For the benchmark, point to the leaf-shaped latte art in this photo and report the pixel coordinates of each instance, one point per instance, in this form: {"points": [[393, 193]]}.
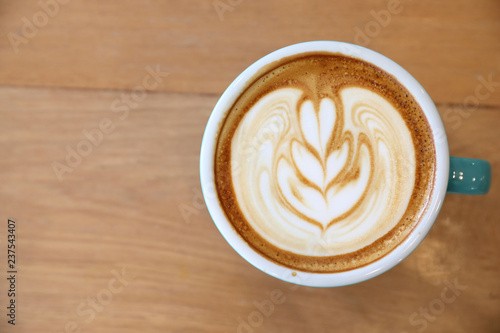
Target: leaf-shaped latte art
{"points": [[330, 171], [315, 166]]}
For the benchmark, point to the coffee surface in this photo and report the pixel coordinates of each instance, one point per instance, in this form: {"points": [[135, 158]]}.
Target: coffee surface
{"points": [[324, 163]]}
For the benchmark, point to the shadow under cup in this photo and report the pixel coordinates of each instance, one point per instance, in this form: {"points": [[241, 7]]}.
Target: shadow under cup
{"points": [[442, 176]]}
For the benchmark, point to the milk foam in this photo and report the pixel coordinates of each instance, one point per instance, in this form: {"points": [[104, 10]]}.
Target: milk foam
{"points": [[322, 178]]}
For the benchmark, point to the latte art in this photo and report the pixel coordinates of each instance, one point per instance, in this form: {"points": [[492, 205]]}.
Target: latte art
{"points": [[329, 176], [324, 163]]}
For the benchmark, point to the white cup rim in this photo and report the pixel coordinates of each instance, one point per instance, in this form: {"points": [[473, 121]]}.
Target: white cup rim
{"points": [[325, 279]]}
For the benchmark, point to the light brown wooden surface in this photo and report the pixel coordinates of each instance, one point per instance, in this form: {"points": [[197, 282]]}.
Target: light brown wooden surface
{"points": [[134, 203]]}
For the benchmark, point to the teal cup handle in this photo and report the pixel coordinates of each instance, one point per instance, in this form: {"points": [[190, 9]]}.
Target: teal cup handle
{"points": [[469, 176]]}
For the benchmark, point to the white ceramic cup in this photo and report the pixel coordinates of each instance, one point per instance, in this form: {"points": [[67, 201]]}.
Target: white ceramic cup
{"points": [[325, 279]]}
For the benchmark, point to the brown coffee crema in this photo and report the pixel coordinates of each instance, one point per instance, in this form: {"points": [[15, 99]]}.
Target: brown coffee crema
{"points": [[324, 163]]}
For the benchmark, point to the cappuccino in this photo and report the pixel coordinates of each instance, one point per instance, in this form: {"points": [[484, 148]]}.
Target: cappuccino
{"points": [[324, 163]]}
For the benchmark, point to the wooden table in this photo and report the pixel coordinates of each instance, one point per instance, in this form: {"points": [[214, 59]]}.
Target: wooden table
{"points": [[119, 239]]}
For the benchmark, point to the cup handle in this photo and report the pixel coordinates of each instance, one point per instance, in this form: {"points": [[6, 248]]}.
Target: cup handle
{"points": [[469, 176]]}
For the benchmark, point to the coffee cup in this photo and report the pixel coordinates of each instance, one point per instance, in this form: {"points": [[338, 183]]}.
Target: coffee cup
{"points": [[326, 164]]}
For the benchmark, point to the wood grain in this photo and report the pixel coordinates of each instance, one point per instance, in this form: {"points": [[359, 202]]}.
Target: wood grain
{"points": [[133, 208], [100, 44]]}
